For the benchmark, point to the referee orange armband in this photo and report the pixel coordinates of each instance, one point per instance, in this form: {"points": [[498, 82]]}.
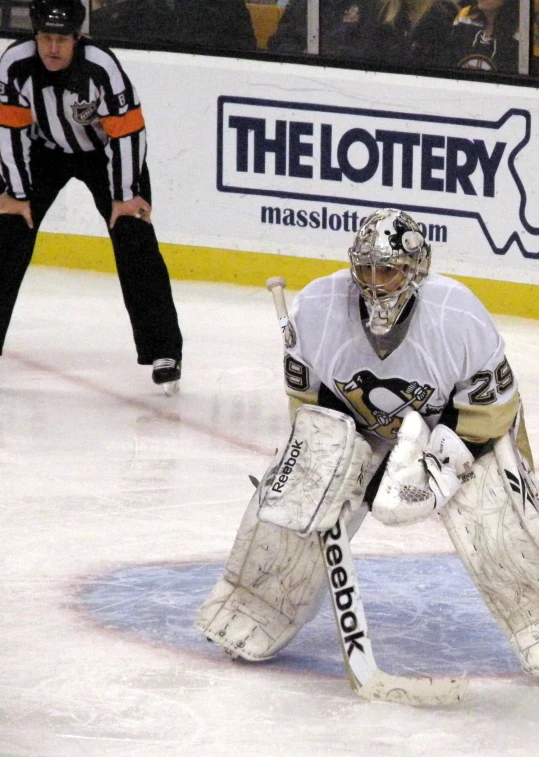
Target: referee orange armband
{"points": [[121, 126], [15, 117]]}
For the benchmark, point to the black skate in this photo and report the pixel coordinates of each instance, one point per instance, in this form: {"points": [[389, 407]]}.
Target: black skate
{"points": [[166, 373]]}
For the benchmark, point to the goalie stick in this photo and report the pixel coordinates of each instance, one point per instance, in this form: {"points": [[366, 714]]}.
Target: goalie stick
{"points": [[365, 676]]}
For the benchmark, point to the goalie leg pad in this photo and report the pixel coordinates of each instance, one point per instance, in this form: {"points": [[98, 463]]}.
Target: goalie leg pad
{"points": [[273, 584], [520, 483], [499, 554], [324, 464], [272, 578]]}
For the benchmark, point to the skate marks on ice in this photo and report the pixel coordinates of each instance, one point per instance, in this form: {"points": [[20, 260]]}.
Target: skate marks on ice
{"points": [[425, 616]]}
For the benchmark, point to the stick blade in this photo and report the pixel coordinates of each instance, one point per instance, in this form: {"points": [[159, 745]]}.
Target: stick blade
{"points": [[275, 281], [419, 692]]}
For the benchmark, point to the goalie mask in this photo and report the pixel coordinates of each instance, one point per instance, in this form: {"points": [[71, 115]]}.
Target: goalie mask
{"points": [[390, 259]]}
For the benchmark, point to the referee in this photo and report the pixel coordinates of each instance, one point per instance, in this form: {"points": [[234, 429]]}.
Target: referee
{"points": [[68, 110]]}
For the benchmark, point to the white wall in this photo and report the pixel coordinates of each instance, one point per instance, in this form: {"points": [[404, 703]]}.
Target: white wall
{"points": [[467, 170]]}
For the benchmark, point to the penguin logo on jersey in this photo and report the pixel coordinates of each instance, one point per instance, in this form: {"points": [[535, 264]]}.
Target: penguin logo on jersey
{"points": [[381, 402], [84, 112]]}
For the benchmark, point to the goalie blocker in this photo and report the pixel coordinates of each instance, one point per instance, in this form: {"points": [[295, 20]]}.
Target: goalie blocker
{"points": [[322, 467]]}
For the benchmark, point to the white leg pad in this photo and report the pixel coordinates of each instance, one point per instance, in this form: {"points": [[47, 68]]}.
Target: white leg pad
{"points": [[273, 584], [500, 556], [520, 483]]}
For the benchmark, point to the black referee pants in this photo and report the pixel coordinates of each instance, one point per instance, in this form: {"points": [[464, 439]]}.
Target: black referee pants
{"points": [[141, 269]]}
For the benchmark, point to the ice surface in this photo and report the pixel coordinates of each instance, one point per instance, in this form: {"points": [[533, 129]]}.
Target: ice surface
{"points": [[119, 507]]}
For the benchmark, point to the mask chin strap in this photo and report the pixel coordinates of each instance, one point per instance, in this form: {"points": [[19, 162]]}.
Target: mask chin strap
{"points": [[382, 311], [379, 312], [387, 340]]}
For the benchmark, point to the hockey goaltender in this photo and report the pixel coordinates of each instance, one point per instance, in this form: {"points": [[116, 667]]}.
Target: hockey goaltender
{"points": [[403, 405]]}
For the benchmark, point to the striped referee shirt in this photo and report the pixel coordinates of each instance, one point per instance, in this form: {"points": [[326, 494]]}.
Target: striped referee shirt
{"points": [[89, 106]]}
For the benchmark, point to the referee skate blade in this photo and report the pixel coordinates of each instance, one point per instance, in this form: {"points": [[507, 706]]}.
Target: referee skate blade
{"points": [[171, 388]]}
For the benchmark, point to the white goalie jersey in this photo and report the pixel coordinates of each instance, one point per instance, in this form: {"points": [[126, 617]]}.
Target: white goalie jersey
{"points": [[450, 367], [417, 362]]}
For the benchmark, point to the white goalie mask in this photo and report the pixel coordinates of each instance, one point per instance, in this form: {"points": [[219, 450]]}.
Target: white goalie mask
{"points": [[390, 258]]}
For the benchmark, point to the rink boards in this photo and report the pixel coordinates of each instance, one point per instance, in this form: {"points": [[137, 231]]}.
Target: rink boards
{"points": [[260, 169]]}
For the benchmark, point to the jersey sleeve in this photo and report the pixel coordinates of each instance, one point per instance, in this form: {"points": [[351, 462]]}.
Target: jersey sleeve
{"points": [[485, 399], [487, 403], [15, 123], [121, 117], [302, 385]]}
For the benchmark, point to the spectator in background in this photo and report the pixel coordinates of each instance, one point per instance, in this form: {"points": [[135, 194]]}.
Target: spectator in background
{"points": [[485, 37], [391, 32], [402, 33], [291, 35], [534, 62], [209, 24]]}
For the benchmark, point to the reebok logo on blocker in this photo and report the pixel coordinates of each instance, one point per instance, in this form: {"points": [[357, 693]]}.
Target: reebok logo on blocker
{"points": [[281, 477]]}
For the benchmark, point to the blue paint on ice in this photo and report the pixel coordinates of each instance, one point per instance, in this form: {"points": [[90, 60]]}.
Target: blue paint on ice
{"points": [[424, 614]]}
